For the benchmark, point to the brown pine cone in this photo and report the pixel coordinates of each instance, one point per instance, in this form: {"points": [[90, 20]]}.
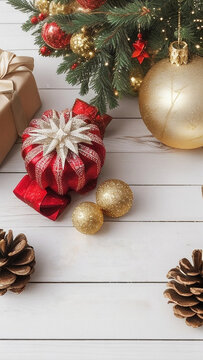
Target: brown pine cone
{"points": [[17, 260], [186, 289]]}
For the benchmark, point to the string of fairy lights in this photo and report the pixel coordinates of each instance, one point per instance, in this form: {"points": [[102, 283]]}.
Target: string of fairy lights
{"points": [[83, 43]]}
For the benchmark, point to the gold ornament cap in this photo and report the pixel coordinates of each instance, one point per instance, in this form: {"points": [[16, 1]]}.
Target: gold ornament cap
{"points": [[178, 53]]}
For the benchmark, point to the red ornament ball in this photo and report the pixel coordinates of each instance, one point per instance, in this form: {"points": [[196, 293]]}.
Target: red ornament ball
{"points": [[45, 51], [42, 16], [54, 36], [34, 20], [91, 4]]}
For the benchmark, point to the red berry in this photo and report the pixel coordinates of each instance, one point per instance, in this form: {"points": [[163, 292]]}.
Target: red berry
{"points": [[45, 51], [73, 67], [34, 20], [42, 16], [139, 35]]}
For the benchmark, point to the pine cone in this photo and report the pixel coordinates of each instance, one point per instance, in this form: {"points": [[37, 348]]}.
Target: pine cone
{"points": [[186, 290], [17, 260]]}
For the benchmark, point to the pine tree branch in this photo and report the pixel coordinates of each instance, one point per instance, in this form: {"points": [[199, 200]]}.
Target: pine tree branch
{"points": [[114, 27], [25, 6]]}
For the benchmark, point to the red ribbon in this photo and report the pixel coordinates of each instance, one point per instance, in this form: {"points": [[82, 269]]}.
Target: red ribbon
{"points": [[140, 53], [47, 201], [44, 201], [81, 107]]}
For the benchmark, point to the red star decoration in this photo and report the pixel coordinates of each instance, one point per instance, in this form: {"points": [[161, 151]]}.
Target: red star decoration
{"points": [[140, 45]]}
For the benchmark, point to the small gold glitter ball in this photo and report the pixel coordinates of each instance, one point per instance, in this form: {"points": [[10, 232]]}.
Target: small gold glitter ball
{"points": [[114, 197], [136, 81], [87, 218], [83, 45]]}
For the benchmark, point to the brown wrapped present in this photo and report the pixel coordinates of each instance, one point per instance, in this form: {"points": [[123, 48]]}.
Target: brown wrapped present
{"points": [[19, 98]]}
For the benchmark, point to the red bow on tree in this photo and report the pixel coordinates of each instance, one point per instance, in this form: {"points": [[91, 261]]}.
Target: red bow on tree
{"points": [[140, 45]]}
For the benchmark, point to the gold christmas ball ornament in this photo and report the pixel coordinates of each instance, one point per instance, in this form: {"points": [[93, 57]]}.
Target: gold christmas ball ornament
{"points": [[82, 44], [114, 197], [42, 6], [87, 218], [136, 81], [58, 8], [170, 99]]}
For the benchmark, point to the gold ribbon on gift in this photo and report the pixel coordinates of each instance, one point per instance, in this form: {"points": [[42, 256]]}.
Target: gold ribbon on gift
{"points": [[10, 64]]}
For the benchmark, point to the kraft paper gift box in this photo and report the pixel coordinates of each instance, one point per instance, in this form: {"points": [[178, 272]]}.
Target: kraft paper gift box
{"points": [[19, 98]]}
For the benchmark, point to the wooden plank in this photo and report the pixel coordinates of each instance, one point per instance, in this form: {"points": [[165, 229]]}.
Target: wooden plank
{"points": [[90, 311], [113, 310], [144, 168], [131, 135], [102, 350], [152, 203], [9, 15], [60, 99], [44, 66], [21, 40], [111, 255]]}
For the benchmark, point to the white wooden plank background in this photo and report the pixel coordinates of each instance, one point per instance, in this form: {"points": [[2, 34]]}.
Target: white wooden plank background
{"points": [[100, 297], [100, 350]]}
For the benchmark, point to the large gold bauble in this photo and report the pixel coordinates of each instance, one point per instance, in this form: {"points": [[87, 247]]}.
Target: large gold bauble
{"points": [[171, 105], [42, 6], [87, 218], [114, 197], [83, 45]]}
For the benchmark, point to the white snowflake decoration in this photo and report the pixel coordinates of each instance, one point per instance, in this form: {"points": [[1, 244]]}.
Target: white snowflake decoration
{"points": [[61, 136]]}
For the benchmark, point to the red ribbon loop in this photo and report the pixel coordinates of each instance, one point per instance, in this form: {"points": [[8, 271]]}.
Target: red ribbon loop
{"points": [[44, 201], [102, 121]]}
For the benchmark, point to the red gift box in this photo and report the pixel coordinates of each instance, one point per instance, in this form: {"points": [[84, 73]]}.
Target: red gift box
{"points": [[63, 151]]}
